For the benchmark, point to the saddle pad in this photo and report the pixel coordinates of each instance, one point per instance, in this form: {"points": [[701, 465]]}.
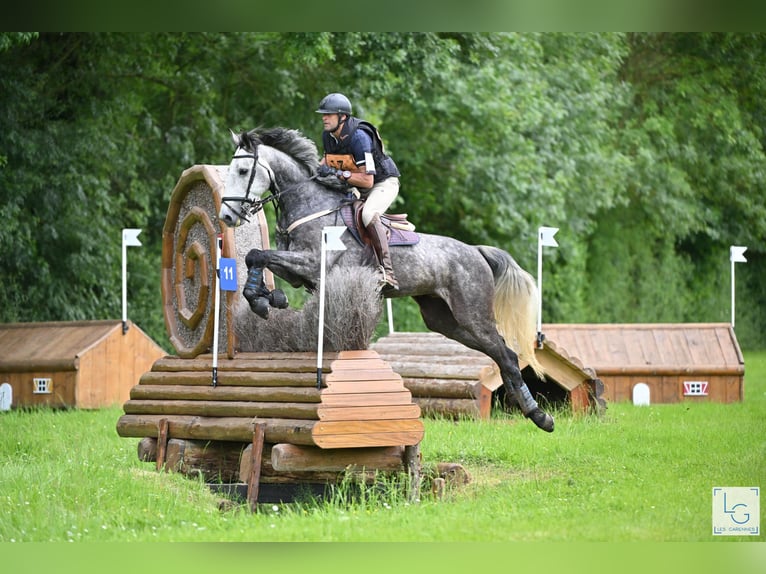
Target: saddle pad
{"points": [[396, 237]]}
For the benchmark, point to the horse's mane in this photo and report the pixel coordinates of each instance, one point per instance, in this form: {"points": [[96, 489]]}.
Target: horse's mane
{"points": [[290, 141]]}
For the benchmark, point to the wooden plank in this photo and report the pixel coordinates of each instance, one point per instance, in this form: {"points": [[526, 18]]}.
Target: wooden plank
{"points": [[363, 427], [358, 354], [219, 393], [363, 387], [367, 413], [162, 441], [448, 407], [362, 375], [578, 399], [485, 403], [298, 363], [443, 388], [231, 378], [360, 364], [222, 408], [369, 399], [253, 482], [294, 431], [435, 370], [294, 458], [666, 369], [406, 438]]}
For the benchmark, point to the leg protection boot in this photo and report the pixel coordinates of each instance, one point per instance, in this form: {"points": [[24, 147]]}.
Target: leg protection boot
{"points": [[256, 293], [377, 233]]}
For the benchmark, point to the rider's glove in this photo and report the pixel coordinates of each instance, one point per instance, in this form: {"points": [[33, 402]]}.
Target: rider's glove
{"points": [[325, 170]]}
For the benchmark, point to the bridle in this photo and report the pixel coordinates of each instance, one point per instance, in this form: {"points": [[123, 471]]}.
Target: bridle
{"points": [[248, 206]]}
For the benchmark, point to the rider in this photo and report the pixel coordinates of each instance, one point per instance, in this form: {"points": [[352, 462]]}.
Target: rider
{"points": [[354, 152]]}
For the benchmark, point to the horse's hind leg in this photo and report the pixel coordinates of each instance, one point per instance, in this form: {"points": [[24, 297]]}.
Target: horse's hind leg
{"points": [[482, 336]]}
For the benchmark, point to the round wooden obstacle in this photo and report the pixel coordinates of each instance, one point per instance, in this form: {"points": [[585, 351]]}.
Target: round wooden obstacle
{"points": [[189, 278]]}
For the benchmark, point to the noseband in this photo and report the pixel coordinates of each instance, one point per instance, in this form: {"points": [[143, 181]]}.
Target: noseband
{"points": [[248, 206]]}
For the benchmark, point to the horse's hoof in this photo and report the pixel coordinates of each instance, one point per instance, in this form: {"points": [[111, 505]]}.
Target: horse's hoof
{"points": [[260, 306], [542, 419], [278, 299]]}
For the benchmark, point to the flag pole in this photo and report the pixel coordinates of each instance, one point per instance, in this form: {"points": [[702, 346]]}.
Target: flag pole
{"points": [[736, 255], [217, 305], [544, 237], [331, 241], [129, 239]]}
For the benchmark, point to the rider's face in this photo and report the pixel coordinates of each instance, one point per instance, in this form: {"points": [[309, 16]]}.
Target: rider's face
{"points": [[331, 122]]}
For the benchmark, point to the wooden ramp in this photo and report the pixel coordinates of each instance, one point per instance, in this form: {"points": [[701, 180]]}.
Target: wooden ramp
{"points": [[365, 404]]}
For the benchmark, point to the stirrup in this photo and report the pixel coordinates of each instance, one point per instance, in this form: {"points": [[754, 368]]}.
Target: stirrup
{"points": [[387, 282]]}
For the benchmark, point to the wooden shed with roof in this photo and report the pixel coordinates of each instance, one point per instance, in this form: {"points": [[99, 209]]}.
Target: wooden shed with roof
{"points": [[84, 364], [676, 361]]}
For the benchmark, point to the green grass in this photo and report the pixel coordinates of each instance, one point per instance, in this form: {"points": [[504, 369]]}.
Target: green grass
{"points": [[635, 474]]}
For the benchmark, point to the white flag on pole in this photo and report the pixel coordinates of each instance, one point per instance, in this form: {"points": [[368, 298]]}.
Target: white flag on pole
{"points": [[737, 254], [130, 237], [333, 242], [546, 236]]}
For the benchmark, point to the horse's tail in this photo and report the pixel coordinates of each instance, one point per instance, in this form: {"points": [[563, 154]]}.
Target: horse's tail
{"points": [[516, 305]]}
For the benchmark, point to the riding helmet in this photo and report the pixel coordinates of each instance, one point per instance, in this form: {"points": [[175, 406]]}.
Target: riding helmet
{"points": [[335, 104]]}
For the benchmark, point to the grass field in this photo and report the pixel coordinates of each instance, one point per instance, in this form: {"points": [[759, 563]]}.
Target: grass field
{"points": [[635, 474]]}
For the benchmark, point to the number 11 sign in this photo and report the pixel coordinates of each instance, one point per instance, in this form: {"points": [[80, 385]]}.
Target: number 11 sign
{"points": [[228, 274]]}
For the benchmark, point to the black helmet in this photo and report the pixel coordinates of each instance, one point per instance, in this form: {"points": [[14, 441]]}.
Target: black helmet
{"points": [[335, 104]]}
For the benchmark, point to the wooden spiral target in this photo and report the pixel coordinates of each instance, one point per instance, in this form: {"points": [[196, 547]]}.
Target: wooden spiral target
{"points": [[189, 276]]}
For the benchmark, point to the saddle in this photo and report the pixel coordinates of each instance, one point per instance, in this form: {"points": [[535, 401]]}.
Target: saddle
{"points": [[400, 231]]}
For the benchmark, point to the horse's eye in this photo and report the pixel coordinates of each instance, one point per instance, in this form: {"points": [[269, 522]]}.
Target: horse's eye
{"points": [[243, 171]]}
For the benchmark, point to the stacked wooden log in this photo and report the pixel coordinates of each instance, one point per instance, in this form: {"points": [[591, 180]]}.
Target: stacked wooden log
{"points": [[361, 417], [445, 377]]}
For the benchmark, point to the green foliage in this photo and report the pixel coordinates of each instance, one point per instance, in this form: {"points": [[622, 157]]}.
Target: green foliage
{"points": [[646, 150]]}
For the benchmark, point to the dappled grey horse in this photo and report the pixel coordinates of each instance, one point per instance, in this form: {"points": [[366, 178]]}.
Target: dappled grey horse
{"points": [[476, 295]]}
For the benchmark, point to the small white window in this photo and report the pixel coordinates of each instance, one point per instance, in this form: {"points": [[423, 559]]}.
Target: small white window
{"points": [[695, 388], [41, 386]]}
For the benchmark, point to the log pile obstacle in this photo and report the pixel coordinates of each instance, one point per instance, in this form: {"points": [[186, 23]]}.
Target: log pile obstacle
{"points": [[445, 377], [362, 420], [449, 379]]}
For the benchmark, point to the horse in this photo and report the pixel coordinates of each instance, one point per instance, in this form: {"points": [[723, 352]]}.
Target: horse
{"points": [[475, 294]]}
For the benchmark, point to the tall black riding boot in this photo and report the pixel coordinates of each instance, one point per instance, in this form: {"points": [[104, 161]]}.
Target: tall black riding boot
{"points": [[377, 233]]}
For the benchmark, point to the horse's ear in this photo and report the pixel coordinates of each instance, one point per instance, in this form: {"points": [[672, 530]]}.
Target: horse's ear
{"points": [[235, 138]]}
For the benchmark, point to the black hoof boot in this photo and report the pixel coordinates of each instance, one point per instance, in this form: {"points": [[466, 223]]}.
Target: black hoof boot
{"points": [[256, 293], [260, 306], [278, 299], [541, 419]]}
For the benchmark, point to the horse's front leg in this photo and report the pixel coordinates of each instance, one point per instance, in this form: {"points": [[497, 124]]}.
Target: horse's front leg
{"points": [[297, 268]]}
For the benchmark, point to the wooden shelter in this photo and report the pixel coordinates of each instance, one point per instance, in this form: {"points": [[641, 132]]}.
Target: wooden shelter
{"points": [[85, 364], [678, 361]]}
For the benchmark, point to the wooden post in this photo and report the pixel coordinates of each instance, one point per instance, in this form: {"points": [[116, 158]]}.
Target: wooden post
{"points": [[412, 465], [162, 442], [259, 430]]}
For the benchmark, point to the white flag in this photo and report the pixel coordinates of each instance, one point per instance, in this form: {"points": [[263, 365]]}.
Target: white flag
{"points": [[737, 254], [130, 237], [546, 236], [333, 241]]}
